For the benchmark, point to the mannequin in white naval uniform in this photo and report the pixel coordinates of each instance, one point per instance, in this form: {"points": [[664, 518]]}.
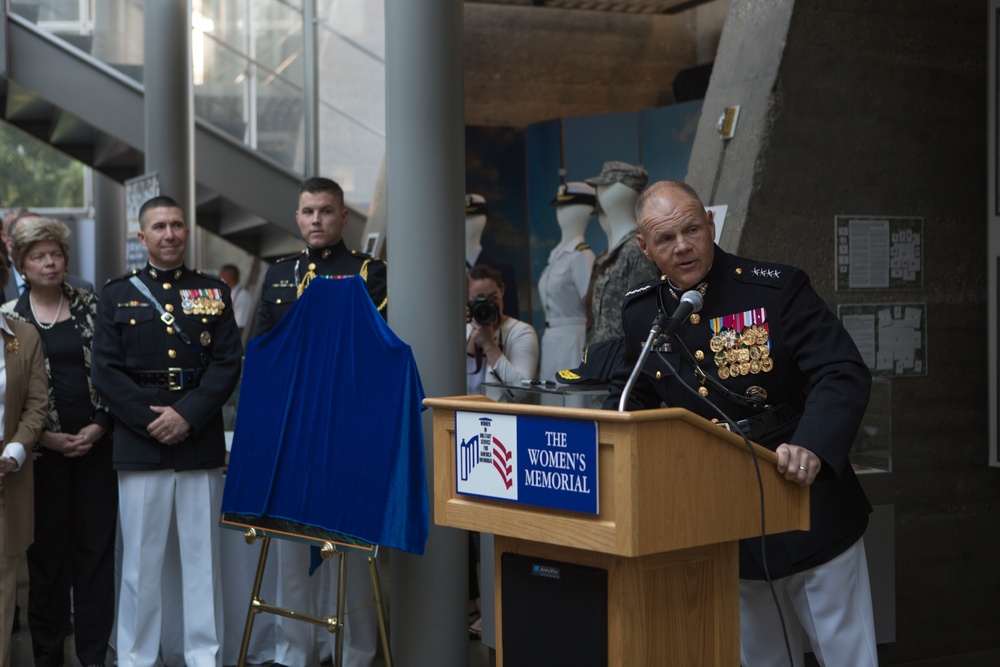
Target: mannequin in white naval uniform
{"points": [[562, 287]]}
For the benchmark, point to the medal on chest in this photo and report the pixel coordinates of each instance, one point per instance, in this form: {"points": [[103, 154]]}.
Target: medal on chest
{"points": [[741, 344]]}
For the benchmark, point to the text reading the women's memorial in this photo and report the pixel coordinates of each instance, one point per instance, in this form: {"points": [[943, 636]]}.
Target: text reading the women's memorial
{"points": [[557, 468]]}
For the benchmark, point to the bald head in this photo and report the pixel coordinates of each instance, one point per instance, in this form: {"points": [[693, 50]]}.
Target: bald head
{"points": [[660, 192]]}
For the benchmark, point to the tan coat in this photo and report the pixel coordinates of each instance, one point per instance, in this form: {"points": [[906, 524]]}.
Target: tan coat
{"points": [[25, 406]]}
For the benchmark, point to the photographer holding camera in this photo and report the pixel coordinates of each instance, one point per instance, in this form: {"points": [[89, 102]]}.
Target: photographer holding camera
{"points": [[499, 348]]}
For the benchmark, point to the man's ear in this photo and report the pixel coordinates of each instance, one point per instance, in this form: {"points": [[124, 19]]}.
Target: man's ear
{"points": [[642, 245]]}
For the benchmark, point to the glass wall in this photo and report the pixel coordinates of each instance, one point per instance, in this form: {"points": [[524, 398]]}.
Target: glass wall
{"points": [[248, 65]]}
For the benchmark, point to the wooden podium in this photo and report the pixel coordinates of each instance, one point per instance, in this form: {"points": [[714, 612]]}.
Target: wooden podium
{"points": [[675, 493]]}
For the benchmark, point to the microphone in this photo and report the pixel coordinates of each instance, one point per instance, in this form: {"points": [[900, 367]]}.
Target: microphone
{"points": [[690, 302]]}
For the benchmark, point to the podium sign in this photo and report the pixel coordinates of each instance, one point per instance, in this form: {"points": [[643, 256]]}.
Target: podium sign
{"points": [[541, 461]]}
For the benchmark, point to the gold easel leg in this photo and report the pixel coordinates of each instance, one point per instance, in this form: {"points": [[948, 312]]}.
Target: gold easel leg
{"points": [[380, 609], [254, 599], [338, 658]]}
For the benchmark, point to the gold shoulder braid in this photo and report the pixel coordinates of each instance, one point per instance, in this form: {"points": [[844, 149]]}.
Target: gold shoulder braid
{"points": [[306, 279], [363, 272]]}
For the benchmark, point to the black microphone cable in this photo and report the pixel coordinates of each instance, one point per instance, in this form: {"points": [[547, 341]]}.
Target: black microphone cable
{"points": [[760, 487]]}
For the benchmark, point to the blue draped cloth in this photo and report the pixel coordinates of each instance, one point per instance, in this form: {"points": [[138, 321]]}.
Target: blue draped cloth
{"points": [[328, 429]]}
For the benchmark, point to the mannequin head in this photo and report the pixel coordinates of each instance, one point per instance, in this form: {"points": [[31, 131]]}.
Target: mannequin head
{"points": [[475, 221], [602, 220], [574, 202], [618, 187], [573, 220], [617, 200]]}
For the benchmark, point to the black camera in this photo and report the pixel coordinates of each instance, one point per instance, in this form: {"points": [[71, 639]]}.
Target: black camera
{"points": [[483, 311]]}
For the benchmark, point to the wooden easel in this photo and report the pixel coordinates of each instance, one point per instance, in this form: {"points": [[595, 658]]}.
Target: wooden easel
{"points": [[329, 544]]}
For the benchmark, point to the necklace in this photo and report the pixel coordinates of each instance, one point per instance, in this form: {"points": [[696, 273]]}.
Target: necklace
{"points": [[38, 320]]}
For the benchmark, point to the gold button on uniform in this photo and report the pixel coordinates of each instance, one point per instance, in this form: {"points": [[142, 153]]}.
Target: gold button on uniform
{"points": [[172, 354], [166, 285], [277, 300], [658, 375], [699, 355], [204, 320], [739, 271], [169, 307], [703, 391], [695, 318], [170, 330], [132, 322]]}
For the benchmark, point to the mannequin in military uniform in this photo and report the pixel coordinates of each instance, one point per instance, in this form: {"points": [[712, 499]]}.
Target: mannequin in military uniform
{"points": [[623, 266], [765, 350], [166, 357], [322, 217], [475, 224], [563, 284]]}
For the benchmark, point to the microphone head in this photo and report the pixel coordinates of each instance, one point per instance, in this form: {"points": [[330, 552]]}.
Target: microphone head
{"points": [[693, 299]]}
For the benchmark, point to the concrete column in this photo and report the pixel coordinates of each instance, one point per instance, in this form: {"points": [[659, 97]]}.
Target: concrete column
{"points": [[109, 229], [310, 51], [425, 175], [169, 128]]}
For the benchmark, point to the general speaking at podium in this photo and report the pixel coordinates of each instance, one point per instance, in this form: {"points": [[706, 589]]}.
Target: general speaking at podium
{"points": [[328, 431]]}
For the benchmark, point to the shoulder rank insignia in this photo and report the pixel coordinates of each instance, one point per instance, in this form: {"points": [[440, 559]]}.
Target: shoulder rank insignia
{"points": [[766, 273], [638, 290]]}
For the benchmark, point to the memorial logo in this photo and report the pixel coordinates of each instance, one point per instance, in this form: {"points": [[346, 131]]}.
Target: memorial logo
{"points": [[486, 455]]}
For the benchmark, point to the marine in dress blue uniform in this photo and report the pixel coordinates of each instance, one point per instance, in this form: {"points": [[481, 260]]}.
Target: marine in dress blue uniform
{"points": [[165, 377], [766, 351], [321, 217]]}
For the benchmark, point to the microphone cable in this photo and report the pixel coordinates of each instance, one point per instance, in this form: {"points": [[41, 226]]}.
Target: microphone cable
{"points": [[760, 488]]}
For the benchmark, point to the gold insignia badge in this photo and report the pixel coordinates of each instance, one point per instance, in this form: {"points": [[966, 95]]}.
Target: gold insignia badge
{"points": [[205, 339], [568, 375]]}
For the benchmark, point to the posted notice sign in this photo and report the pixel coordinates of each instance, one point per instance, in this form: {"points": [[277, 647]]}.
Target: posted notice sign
{"points": [[528, 460]]}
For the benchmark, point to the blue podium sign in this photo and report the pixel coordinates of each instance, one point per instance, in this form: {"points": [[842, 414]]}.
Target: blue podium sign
{"points": [[529, 460]]}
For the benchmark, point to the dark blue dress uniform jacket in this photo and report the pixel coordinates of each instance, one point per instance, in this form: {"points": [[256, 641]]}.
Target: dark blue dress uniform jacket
{"points": [[280, 288], [130, 337], [812, 356]]}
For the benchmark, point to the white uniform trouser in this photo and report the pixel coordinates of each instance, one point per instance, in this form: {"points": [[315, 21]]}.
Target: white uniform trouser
{"points": [[562, 346], [296, 642], [830, 605], [360, 618], [148, 501]]}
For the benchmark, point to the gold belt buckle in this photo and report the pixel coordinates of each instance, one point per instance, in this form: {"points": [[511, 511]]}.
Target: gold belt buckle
{"points": [[174, 379]]}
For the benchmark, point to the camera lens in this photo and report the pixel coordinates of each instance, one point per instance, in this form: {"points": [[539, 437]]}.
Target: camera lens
{"points": [[483, 311]]}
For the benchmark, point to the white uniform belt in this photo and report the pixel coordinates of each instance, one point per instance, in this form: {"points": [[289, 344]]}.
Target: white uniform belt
{"points": [[565, 321]]}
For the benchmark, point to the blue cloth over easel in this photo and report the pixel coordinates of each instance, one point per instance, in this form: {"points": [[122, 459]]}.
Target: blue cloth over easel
{"points": [[328, 429]]}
